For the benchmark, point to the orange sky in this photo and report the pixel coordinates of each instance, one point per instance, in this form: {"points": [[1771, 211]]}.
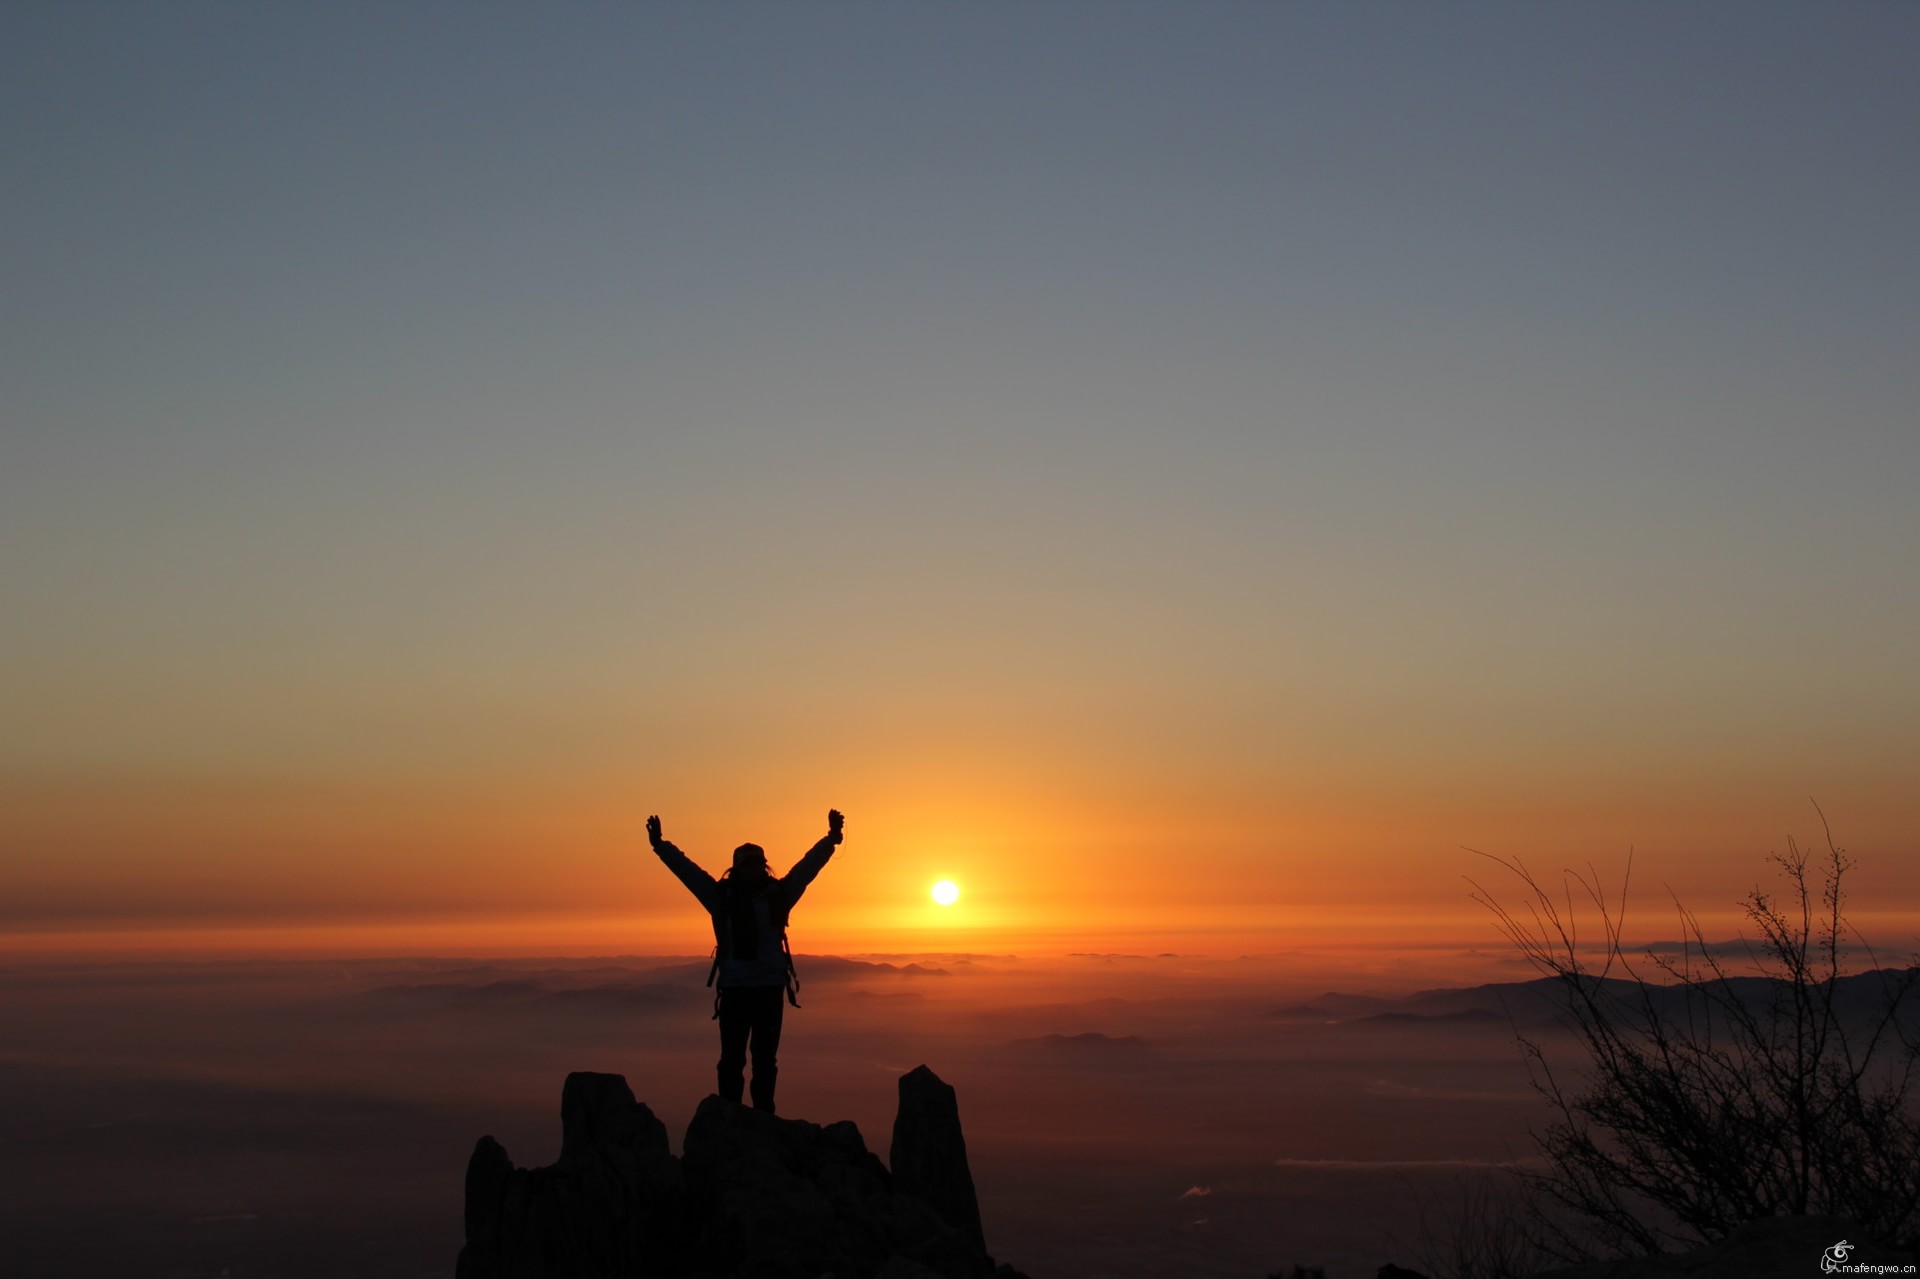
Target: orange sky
{"points": [[1183, 485], [562, 868]]}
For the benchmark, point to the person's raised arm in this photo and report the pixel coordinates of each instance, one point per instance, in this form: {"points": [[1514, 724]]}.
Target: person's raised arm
{"points": [[807, 867], [698, 882]]}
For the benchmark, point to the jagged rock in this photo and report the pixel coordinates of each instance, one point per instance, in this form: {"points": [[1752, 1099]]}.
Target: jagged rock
{"points": [[929, 1152], [786, 1197], [611, 1205], [753, 1197]]}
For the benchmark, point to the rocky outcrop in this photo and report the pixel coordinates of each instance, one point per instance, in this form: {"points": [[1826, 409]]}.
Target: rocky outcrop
{"points": [[612, 1205], [751, 1197], [929, 1152]]}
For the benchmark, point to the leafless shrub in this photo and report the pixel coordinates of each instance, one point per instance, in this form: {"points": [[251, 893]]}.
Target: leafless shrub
{"points": [[1486, 1225], [1711, 1098]]}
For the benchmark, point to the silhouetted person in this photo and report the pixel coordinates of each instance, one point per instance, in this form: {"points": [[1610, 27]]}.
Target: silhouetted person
{"points": [[751, 961]]}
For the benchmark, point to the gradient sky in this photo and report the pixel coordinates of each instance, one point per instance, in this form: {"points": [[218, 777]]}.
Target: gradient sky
{"points": [[1179, 471]]}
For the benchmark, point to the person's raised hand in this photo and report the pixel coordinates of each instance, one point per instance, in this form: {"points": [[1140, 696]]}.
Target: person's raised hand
{"points": [[835, 822], [653, 832]]}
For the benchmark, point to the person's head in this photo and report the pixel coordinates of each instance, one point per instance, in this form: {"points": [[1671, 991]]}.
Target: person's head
{"points": [[750, 862]]}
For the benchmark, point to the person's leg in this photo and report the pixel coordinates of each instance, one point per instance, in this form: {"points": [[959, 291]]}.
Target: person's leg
{"points": [[769, 1011], [736, 1020]]}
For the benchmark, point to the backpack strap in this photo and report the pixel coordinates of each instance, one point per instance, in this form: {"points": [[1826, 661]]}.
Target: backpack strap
{"points": [[793, 976]]}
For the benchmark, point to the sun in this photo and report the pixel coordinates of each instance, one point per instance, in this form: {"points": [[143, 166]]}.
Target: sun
{"points": [[946, 892]]}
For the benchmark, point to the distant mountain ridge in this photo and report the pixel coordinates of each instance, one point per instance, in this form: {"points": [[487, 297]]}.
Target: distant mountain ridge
{"points": [[1538, 1003], [606, 986]]}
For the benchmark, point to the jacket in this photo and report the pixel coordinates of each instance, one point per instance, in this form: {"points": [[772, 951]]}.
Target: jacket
{"points": [[768, 964]]}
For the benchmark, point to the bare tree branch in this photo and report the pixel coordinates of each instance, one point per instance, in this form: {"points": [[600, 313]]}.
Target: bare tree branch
{"points": [[1711, 1097]]}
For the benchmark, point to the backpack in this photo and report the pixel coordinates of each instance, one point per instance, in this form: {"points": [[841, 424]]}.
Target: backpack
{"points": [[778, 912]]}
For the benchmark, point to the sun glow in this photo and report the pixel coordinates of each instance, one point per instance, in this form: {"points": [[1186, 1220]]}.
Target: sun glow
{"points": [[946, 892]]}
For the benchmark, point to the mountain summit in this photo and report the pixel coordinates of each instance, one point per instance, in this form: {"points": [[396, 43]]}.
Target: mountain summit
{"points": [[752, 1196]]}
